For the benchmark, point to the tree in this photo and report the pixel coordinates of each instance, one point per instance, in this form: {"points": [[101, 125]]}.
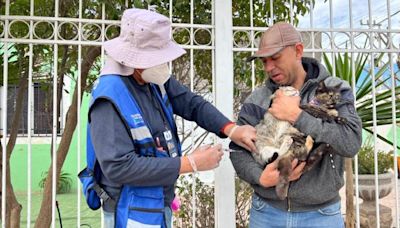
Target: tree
{"points": [[13, 208]]}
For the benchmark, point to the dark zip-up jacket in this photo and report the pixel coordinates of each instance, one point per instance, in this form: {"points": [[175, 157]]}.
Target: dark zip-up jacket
{"points": [[320, 186]]}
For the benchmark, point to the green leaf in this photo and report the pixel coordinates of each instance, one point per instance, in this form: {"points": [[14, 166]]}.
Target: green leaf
{"points": [[383, 98]]}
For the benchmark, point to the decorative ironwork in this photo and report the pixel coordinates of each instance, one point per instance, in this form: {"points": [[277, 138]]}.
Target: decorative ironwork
{"points": [[44, 29]]}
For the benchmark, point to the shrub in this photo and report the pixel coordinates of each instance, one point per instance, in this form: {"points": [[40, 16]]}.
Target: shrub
{"points": [[205, 203], [63, 185], [366, 162]]}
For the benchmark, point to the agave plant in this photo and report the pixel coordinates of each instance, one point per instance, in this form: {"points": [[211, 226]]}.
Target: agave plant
{"points": [[364, 105], [363, 87]]}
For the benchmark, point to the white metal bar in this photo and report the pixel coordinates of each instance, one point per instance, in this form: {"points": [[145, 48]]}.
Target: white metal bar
{"points": [[78, 86], [191, 50], [291, 12], [54, 136], [29, 145], [4, 123], [58, 42], [341, 50], [214, 77], [213, 50], [88, 43], [170, 63], [171, 33], [103, 33], [184, 25], [192, 132], [253, 68], [394, 124], [224, 174], [103, 36], [30, 124], [85, 20], [325, 30], [59, 19], [170, 10], [312, 26], [372, 68], [353, 78], [332, 38], [271, 10]]}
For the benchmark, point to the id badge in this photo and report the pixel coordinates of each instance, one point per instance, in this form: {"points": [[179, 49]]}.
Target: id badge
{"points": [[173, 152]]}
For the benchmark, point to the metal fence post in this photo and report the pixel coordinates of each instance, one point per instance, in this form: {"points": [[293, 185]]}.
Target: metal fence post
{"points": [[224, 175]]}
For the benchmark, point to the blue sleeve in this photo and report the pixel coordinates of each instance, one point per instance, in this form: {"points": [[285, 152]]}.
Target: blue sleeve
{"points": [[116, 153], [193, 107]]}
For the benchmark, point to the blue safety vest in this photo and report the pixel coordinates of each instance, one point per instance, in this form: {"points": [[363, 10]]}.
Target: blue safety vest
{"points": [[137, 206]]}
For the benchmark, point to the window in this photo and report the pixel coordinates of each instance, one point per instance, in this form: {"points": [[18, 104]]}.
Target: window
{"points": [[42, 110]]}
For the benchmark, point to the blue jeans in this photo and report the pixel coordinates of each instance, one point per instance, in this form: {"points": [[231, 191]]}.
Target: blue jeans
{"points": [[109, 218], [263, 215]]}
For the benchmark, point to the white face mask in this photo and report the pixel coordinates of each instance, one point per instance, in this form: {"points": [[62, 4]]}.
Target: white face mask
{"points": [[157, 74]]}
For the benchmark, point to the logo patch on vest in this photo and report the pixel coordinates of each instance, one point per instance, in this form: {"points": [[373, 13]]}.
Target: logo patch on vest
{"points": [[137, 119]]}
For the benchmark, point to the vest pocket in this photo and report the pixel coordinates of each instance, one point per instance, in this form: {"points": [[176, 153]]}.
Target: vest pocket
{"points": [[146, 208], [86, 176]]}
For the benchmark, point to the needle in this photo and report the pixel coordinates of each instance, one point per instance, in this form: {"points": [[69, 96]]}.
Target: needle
{"points": [[230, 150]]}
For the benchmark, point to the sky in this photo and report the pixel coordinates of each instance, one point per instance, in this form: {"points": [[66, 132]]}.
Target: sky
{"points": [[360, 14], [341, 15]]}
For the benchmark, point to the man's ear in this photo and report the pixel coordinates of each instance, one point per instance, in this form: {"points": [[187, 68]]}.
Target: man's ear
{"points": [[299, 50]]}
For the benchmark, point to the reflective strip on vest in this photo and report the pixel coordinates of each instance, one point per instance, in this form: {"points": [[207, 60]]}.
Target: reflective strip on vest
{"points": [[136, 224], [140, 133]]}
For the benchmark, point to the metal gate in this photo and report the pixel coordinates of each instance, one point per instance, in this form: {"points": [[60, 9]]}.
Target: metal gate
{"points": [[54, 46]]}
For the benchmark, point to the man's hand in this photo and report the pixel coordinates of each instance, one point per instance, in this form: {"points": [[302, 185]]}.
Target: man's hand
{"points": [[270, 176], [285, 107], [297, 170], [244, 136]]}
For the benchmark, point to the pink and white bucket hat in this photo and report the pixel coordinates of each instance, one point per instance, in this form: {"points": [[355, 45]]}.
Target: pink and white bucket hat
{"points": [[144, 41]]}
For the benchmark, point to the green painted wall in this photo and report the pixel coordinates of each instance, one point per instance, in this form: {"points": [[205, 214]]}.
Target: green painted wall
{"points": [[390, 137], [41, 158]]}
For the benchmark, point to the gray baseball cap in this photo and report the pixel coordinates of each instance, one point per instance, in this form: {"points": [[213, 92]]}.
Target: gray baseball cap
{"points": [[276, 37]]}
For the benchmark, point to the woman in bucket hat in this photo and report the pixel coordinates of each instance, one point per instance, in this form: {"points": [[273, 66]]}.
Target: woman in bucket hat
{"points": [[133, 151]]}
